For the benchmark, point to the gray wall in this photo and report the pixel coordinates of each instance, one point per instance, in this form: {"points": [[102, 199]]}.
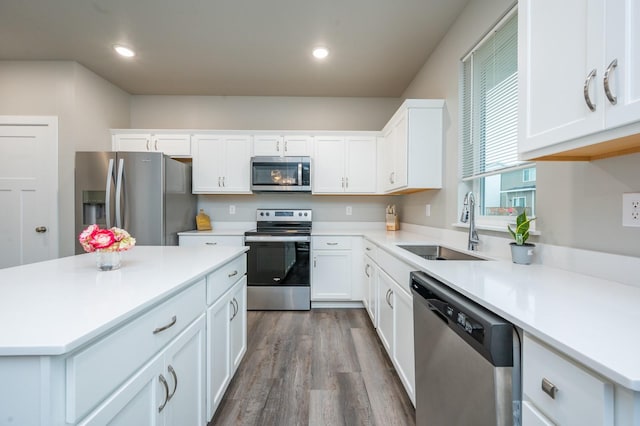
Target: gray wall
{"points": [[579, 204], [325, 208], [272, 113], [87, 106], [261, 112]]}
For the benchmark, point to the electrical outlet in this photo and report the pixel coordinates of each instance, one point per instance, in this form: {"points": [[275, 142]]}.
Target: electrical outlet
{"points": [[427, 210], [631, 209], [232, 209], [349, 211]]}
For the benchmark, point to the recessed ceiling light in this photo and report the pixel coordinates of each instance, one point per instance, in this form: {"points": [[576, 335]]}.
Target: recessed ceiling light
{"points": [[124, 51], [320, 52]]}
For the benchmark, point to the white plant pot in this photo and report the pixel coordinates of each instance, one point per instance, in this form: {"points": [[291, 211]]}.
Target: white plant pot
{"points": [[523, 254]]}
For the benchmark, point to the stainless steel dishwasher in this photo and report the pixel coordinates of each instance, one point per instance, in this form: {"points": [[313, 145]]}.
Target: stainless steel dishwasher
{"points": [[464, 359]]}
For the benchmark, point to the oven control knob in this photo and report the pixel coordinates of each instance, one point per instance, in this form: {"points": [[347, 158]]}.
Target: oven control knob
{"points": [[299, 213], [306, 214], [261, 213], [267, 213]]}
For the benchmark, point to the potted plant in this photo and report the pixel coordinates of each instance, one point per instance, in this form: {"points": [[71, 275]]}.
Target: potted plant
{"points": [[521, 251]]}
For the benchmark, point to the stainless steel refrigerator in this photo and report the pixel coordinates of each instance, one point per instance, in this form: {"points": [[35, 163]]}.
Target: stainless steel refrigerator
{"points": [[146, 193]]}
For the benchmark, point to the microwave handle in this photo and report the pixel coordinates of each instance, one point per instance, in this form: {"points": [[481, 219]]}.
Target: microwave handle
{"points": [[300, 173]]}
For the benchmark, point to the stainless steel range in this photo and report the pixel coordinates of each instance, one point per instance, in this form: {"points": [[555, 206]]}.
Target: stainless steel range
{"points": [[278, 270]]}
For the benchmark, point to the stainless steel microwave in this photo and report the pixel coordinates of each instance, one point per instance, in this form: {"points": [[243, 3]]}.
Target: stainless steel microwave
{"points": [[281, 174]]}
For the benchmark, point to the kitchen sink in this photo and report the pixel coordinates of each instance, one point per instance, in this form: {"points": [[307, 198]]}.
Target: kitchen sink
{"points": [[436, 252]]}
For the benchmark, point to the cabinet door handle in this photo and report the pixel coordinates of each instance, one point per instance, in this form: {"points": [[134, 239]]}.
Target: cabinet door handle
{"points": [[155, 145], [342, 184], [209, 243], [148, 144], [175, 381], [346, 181], [607, 89], [235, 301], [223, 181], [166, 393], [174, 319], [549, 388], [277, 146], [367, 248], [366, 270], [219, 181], [233, 274], [235, 308], [315, 262], [587, 83], [285, 146]]}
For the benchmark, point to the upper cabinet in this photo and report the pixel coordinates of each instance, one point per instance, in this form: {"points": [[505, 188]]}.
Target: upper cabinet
{"points": [[579, 84], [221, 164], [281, 146], [344, 165], [173, 144], [411, 149]]}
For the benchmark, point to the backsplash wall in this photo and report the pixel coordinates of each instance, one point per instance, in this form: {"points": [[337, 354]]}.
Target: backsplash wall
{"points": [[325, 208]]}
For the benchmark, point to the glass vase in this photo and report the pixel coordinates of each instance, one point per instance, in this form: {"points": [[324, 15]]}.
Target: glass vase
{"points": [[108, 260]]}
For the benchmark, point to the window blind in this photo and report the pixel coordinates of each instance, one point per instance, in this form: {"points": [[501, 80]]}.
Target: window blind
{"points": [[489, 104]]}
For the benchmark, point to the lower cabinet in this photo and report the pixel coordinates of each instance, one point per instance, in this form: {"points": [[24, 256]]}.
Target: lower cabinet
{"points": [[558, 391], [227, 341], [168, 390], [335, 271], [394, 324]]}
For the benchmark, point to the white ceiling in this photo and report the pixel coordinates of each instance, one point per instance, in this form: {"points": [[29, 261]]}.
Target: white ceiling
{"points": [[234, 47]]}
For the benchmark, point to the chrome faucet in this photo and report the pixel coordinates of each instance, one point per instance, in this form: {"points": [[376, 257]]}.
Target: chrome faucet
{"points": [[468, 215]]}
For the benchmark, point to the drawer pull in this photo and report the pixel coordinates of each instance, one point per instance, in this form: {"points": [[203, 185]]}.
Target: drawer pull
{"points": [[210, 243], [233, 274], [332, 244], [549, 388], [166, 393], [164, 327], [175, 380], [367, 248]]}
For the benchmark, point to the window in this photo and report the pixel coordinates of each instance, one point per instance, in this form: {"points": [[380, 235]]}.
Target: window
{"points": [[489, 165]]}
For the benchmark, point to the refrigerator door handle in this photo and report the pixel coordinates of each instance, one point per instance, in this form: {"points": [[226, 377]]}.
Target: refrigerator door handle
{"points": [[119, 203], [107, 197]]}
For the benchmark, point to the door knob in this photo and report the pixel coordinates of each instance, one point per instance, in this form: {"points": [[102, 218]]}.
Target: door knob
{"points": [[41, 229]]}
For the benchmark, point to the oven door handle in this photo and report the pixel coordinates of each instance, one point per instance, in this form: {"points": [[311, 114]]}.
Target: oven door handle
{"points": [[274, 239]]}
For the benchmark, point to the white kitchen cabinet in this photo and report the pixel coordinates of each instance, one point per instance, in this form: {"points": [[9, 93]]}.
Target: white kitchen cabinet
{"points": [[403, 347], [221, 164], [227, 340], [344, 165], [573, 395], [331, 274], [567, 61], [412, 147], [390, 306], [168, 390], [173, 144], [385, 310], [370, 299], [282, 145], [194, 240]]}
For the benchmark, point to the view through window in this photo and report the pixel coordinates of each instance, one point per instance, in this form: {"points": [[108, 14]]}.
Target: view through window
{"points": [[489, 165]]}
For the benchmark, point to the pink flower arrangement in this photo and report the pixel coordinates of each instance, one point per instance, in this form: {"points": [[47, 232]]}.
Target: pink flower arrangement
{"points": [[115, 239]]}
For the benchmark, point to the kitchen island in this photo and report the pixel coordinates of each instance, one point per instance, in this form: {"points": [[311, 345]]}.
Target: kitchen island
{"points": [[81, 346]]}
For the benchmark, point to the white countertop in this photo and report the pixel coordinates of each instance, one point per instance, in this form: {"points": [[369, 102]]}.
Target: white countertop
{"points": [[53, 307], [592, 320]]}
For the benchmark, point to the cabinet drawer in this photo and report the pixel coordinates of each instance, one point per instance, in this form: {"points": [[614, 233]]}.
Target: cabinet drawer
{"points": [[211, 240], [397, 269], [370, 249], [95, 372], [532, 417], [221, 280], [331, 243], [581, 397]]}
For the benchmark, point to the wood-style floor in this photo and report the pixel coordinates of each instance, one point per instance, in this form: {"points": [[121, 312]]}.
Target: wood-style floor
{"points": [[321, 367]]}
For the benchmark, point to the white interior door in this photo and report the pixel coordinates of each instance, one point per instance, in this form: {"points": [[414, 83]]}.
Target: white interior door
{"points": [[28, 189]]}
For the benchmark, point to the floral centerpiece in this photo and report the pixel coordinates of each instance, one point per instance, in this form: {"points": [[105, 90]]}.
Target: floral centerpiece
{"points": [[107, 243]]}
